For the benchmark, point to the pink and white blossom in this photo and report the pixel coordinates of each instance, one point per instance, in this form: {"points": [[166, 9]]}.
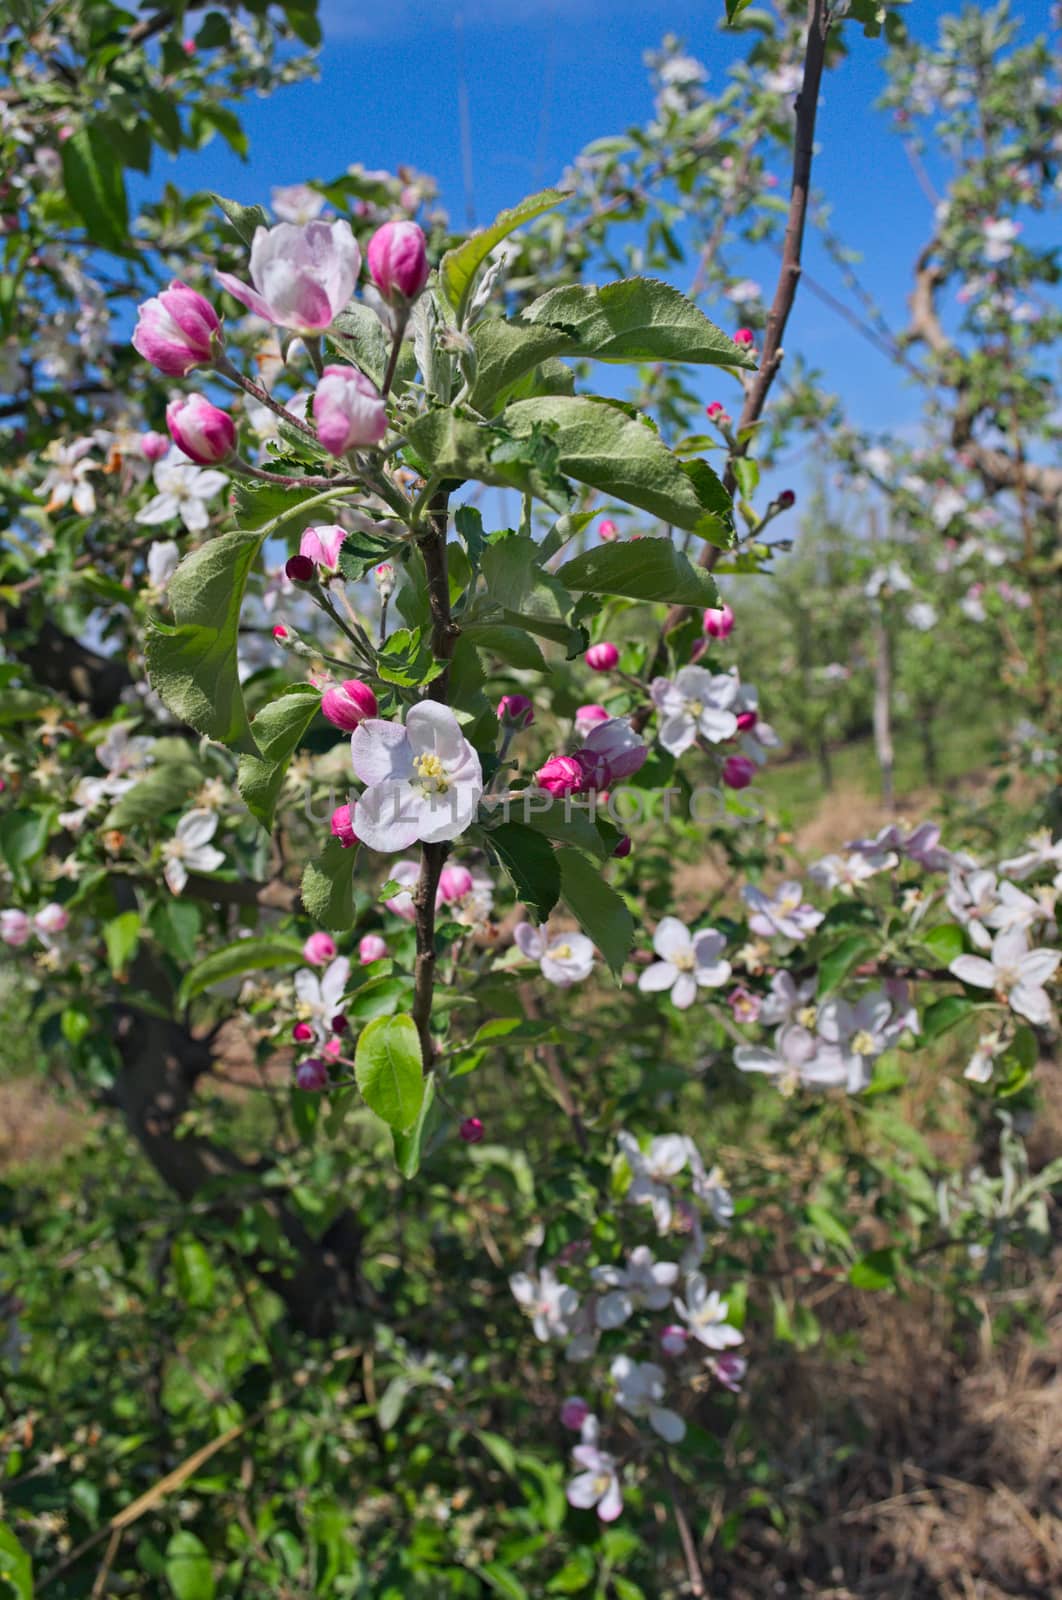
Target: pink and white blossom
{"points": [[183, 491], [15, 928], [705, 1314], [302, 276], [297, 203], [398, 260], [320, 998], [695, 704], [190, 849], [566, 959], [597, 1485], [687, 962], [349, 410], [644, 1284], [322, 546], [640, 1387], [1014, 973], [551, 1305], [652, 1171], [783, 913], [424, 780], [176, 330]]}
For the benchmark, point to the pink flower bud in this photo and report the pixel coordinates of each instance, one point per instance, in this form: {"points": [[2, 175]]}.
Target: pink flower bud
{"points": [[319, 949], [339, 1023], [561, 775], [188, 46], [786, 499], [623, 849], [333, 1048], [745, 337], [371, 948], [398, 260], [205, 433], [302, 276], [674, 1339], [51, 918], [384, 579], [471, 1130], [516, 711], [716, 411], [574, 1412], [608, 531], [154, 445], [300, 569], [719, 621], [342, 826], [175, 331], [744, 1004], [747, 720], [15, 928], [454, 884], [348, 410], [280, 632], [738, 771], [312, 1075], [588, 717], [322, 546], [347, 704], [302, 1033], [730, 1370], [602, 657]]}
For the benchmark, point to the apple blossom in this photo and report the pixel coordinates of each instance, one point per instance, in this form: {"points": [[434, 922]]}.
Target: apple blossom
{"points": [[744, 1005], [154, 445], [921, 845], [652, 1171], [783, 913], [184, 490], [574, 1412], [1014, 972], [407, 873], [687, 962], [588, 717], [371, 948], [795, 1059], [15, 928], [424, 780], [674, 1339], [738, 771], [567, 959], [597, 1485], [613, 751], [205, 433], [639, 1390], [296, 202], [745, 337], [704, 1312], [719, 622], [846, 873], [454, 884], [695, 704], [312, 1076], [561, 775], [176, 330], [602, 657], [190, 848], [67, 482], [319, 997], [644, 1284], [51, 919], [342, 827], [302, 1033], [471, 1131], [552, 1305], [398, 260], [349, 410], [347, 704], [607, 531], [163, 559], [1041, 851], [729, 1370], [384, 578], [855, 1035], [319, 949], [516, 711], [302, 276]]}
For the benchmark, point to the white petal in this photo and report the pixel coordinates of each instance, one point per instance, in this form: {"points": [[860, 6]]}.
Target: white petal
{"points": [[975, 970], [389, 817], [379, 751], [661, 975], [197, 827], [667, 1424], [1030, 1001], [175, 875], [672, 938], [684, 991], [433, 728]]}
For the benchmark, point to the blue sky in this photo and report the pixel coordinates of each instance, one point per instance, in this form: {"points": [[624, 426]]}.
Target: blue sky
{"points": [[547, 76]]}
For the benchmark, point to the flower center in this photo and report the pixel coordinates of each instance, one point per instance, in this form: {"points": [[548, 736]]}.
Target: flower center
{"points": [[683, 961], [863, 1043], [432, 774], [560, 952], [788, 903], [807, 1016], [694, 707]]}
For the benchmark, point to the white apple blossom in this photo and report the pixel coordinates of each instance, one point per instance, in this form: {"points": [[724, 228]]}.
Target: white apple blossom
{"points": [[797, 1059], [707, 1185], [694, 703], [789, 1000], [652, 1171], [184, 490], [1014, 972], [640, 1387], [424, 780], [319, 997], [162, 559], [846, 873], [889, 579], [983, 1061], [66, 481], [190, 849], [946, 505], [566, 959], [296, 202], [922, 616], [921, 845], [1040, 851], [971, 899], [784, 913], [999, 235], [855, 1035], [552, 1305], [597, 1485], [643, 1284], [705, 1312], [687, 962]]}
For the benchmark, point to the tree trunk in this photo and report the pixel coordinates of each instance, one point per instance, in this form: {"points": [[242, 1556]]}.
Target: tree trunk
{"points": [[929, 744], [883, 709], [822, 755]]}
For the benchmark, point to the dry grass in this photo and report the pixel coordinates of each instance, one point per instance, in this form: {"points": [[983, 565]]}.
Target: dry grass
{"points": [[36, 1129]]}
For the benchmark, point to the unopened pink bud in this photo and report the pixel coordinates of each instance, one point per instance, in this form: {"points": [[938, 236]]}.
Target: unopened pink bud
{"points": [[15, 928], [154, 445], [280, 632], [384, 578], [175, 331], [516, 711], [205, 433], [786, 499], [371, 948], [602, 657], [312, 1075], [716, 411], [322, 546], [454, 884], [719, 621], [674, 1339], [349, 410], [398, 260], [574, 1412], [339, 1023], [342, 826], [747, 720], [471, 1130], [188, 46], [607, 531], [561, 775], [587, 719], [623, 849], [51, 918], [347, 704], [300, 569], [302, 1033], [738, 771], [319, 949], [745, 337]]}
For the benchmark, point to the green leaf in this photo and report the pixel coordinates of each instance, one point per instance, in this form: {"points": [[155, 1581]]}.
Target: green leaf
{"points": [[503, 1581], [597, 908], [188, 1569], [358, 334], [459, 266], [389, 1068], [734, 8], [245, 219], [381, 997], [95, 186], [640, 569], [505, 353], [946, 942], [468, 524], [875, 1271], [163, 789], [23, 837], [193, 1271], [457, 448], [945, 1014], [176, 924], [232, 960], [409, 1146], [121, 935], [15, 1569], [839, 962], [192, 663], [277, 730], [636, 319], [530, 863], [599, 444], [514, 646]]}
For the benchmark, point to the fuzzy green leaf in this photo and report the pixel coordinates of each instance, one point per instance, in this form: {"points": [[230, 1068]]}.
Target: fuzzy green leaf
{"points": [[596, 906], [459, 266], [390, 1070], [635, 319], [277, 730]]}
